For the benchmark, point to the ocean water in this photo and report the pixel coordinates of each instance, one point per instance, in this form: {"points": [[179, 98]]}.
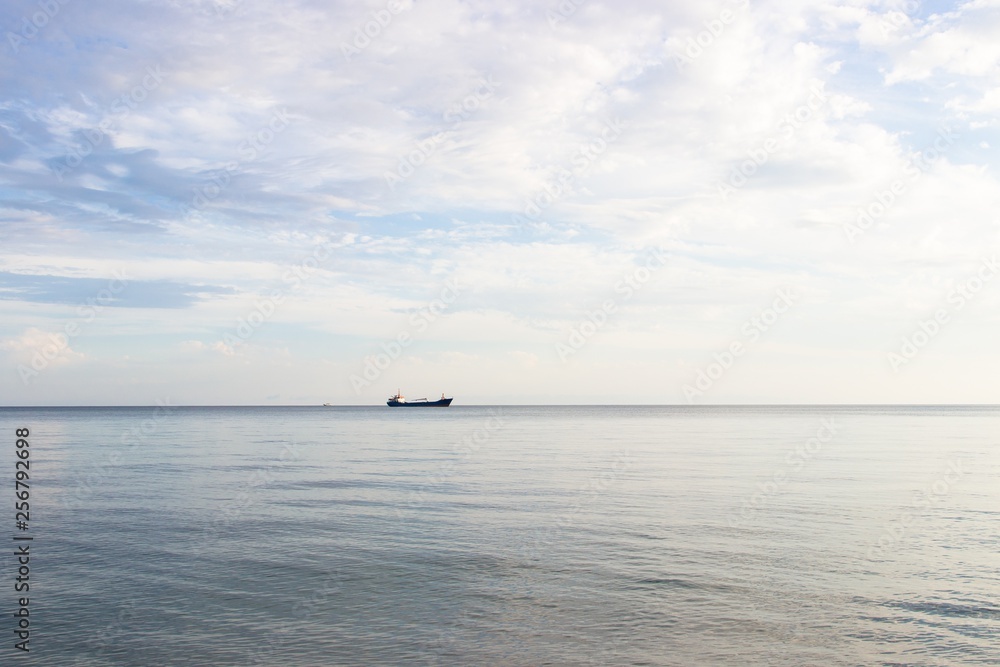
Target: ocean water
{"points": [[508, 536]]}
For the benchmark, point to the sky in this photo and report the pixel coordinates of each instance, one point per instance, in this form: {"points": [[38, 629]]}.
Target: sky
{"points": [[239, 202]]}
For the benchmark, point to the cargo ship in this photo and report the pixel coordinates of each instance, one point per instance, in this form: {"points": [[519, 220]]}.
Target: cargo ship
{"points": [[400, 401]]}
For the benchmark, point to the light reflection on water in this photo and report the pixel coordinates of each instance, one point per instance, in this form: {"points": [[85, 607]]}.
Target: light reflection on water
{"points": [[519, 535]]}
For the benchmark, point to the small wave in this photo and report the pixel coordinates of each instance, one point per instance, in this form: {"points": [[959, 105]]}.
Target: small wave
{"points": [[677, 583], [950, 609]]}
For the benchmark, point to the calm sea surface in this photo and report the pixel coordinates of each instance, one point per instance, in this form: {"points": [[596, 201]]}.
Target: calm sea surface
{"points": [[507, 536]]}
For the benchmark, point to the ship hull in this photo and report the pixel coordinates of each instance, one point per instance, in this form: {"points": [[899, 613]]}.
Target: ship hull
{"points": [[443, 403]]}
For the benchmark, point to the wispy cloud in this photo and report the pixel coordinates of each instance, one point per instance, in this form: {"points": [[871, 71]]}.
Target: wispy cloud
{"points": [[214, 145], [77, 291]]}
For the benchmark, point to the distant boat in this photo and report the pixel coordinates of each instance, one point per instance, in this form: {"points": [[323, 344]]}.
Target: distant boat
{"points": [[399, 401], [328, 405]]}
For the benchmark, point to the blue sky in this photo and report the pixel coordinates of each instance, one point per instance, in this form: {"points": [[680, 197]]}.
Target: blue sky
{"points": [[241, 202]]}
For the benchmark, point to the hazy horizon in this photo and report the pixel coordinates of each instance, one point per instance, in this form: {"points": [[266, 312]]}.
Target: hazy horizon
{"points": [[167, 404]]}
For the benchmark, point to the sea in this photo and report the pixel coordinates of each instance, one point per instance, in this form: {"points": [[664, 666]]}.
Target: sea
{"points": [[503, 535]]}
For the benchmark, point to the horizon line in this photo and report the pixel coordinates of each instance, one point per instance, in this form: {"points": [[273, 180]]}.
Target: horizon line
{"points": [[531, 405]]}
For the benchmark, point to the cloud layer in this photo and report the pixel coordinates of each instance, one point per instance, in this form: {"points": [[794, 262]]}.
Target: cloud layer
{"points": [[290, 187]]}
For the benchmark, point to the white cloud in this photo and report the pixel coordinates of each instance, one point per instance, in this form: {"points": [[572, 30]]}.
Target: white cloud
{"points": [[40, 349], [882, 79]]}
